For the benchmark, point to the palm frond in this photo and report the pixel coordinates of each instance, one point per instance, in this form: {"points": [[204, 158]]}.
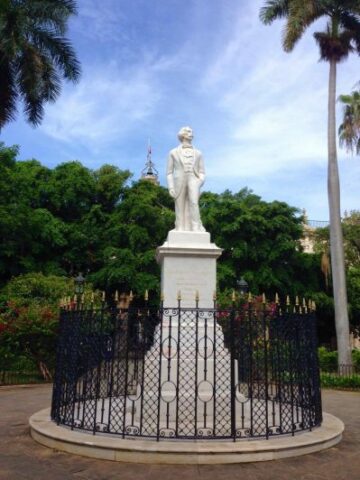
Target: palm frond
{"points": [[50, 13], [350, 22], [30, 68], [349, 130], [301, 15], [60, 50], [273, 10], [8, 92]]}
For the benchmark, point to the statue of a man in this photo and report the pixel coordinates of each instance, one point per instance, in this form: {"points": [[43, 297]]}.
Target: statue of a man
{"points": [[185, 176]]}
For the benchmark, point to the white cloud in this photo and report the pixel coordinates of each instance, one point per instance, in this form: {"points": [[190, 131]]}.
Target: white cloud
{"points": [[107, 103]]}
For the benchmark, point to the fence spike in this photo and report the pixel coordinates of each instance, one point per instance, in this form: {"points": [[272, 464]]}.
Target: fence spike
{"points": [[277, 299], [146, 296], [304, 302], [162, 297], [233, 297], [197, 296], [131, 296], [179, 295], [116, 296]]}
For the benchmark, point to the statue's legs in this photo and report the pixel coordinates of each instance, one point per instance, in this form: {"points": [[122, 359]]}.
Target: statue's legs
{"points": [[181, 221], [193, 192]]}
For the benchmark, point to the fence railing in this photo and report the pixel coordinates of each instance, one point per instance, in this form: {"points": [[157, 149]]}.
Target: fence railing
{"points": [[187, 373]]}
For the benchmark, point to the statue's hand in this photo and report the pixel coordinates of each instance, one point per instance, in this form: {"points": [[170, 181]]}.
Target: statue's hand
{"points": [[172, 192]]}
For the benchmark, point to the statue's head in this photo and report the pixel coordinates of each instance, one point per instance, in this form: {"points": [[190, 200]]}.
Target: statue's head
{"points": [[185, 133]]}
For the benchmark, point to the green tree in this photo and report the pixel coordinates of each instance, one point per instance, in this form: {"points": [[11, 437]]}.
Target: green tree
{"points": [[349, 130], [340, 38], [137, 226], [34, 55], [260, 241]]}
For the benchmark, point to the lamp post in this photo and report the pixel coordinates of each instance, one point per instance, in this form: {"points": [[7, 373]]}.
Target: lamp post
{"points": [[242, 286], [79, 282]]}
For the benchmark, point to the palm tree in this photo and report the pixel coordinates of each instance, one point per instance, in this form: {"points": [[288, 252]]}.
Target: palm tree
{"points": [[340, 38], [34, 55], [349, 130]]}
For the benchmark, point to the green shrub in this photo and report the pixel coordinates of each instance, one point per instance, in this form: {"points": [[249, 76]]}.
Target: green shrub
{"points": [[356, 359], [328, 360], [330, 380], [29, 321]]}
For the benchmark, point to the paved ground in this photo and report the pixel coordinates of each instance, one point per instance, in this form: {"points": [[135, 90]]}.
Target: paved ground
{"points": [[21, 458]]}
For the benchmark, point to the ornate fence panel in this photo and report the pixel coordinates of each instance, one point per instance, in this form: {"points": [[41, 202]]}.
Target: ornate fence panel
{"points": [[187, 373]]}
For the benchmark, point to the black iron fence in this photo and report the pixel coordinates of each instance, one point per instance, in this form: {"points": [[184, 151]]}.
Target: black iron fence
{"points": [[187, 373]]}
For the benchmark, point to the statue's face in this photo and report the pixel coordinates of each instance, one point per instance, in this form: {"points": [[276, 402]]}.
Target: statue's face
{"points": [[187, 134]]}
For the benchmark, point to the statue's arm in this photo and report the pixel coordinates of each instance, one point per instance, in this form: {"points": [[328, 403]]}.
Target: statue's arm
{"points": [[170, 175], [201, 169]]}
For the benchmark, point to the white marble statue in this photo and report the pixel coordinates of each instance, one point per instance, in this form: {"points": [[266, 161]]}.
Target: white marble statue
{"points": [[185, 176]]}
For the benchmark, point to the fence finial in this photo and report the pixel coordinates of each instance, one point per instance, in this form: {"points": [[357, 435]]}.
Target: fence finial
{"points": [[276, 299], [233, 297], [146, 296], [179, 295], [131, 296], [197, 296], [116, 296]]}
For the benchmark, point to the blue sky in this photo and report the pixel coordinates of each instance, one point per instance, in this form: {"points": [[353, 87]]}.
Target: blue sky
{"points": [[149, 67]]}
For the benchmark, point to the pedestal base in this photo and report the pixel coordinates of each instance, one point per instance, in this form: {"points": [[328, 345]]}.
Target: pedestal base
{"points": [[46, 432], [188, 266]]}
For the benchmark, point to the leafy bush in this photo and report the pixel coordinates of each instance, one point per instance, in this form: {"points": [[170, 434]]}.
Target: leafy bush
{"points": [[29, 321], [328, 360], [330, 380]]}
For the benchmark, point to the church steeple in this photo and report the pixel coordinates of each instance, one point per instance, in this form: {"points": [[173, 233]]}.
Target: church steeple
{"points": [[149, 172]]}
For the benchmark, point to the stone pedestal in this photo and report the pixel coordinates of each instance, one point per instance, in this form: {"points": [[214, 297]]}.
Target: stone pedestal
{"points": [[188, 265]]}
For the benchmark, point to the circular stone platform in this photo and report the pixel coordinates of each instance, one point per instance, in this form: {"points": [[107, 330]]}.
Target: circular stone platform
{"points": [[133, 450]]}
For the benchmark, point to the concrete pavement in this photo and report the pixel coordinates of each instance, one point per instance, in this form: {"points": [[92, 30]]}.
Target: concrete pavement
{"points": [[21, 458]]}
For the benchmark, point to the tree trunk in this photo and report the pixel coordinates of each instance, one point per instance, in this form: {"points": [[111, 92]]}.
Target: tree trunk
{"points": [[336, 236]]}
